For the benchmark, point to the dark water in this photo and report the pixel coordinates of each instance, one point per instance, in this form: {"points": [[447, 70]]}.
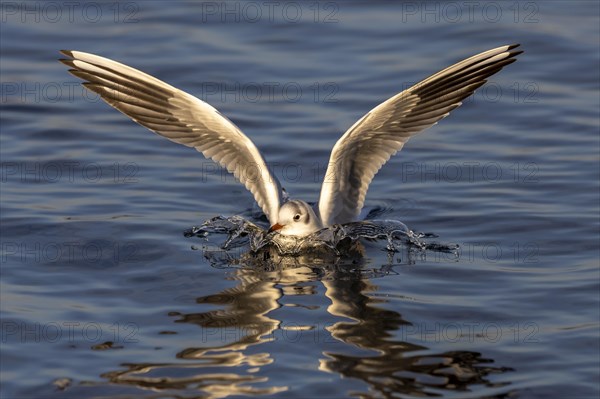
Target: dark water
{"points": [[103, 296]]}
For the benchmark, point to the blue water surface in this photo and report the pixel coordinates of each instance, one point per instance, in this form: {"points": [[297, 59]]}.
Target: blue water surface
{"points": [[103, 296]]}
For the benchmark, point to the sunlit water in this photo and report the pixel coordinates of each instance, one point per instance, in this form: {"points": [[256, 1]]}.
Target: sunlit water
{"points": [[103, 296]]}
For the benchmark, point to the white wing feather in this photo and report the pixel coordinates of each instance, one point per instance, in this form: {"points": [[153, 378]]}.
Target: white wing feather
{"points": [[370, 142], [182, 118]]}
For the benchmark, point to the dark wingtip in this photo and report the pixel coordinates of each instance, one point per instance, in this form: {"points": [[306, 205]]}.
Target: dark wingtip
{"points": [[512, 46], [67, 62], [68, 53]]}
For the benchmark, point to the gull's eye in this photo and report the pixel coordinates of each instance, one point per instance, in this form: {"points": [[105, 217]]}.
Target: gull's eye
{"points": [[296, 217]]}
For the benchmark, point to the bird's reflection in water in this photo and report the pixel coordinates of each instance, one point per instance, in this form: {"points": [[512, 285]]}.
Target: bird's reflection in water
{"points": [[234, 344], [393, 369]]}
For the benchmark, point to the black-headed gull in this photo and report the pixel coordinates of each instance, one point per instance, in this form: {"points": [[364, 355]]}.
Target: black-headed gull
{"points": [[355, 158]]}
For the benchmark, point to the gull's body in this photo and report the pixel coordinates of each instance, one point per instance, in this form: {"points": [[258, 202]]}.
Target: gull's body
{"points": [[355, 158]]}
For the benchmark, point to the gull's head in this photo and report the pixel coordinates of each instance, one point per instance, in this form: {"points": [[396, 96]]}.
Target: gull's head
{"points": [[296, 218]]}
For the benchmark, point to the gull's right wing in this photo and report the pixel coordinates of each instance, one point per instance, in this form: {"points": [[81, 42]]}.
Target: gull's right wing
{"points": [[369, 143], [181, 118]]}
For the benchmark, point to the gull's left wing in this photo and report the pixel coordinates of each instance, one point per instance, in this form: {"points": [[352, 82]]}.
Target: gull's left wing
{"points": [[369, 143], [182, 118]]}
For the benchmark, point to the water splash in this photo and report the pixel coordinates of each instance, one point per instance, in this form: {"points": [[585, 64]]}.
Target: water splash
{"points": [[338, 239]]}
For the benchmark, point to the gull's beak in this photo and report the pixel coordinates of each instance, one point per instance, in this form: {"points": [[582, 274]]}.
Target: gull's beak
{"points": [[275, 227]]}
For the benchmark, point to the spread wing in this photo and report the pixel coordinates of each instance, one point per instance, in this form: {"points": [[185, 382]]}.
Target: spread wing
{"points": [[181, 118], [369, 143]]}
